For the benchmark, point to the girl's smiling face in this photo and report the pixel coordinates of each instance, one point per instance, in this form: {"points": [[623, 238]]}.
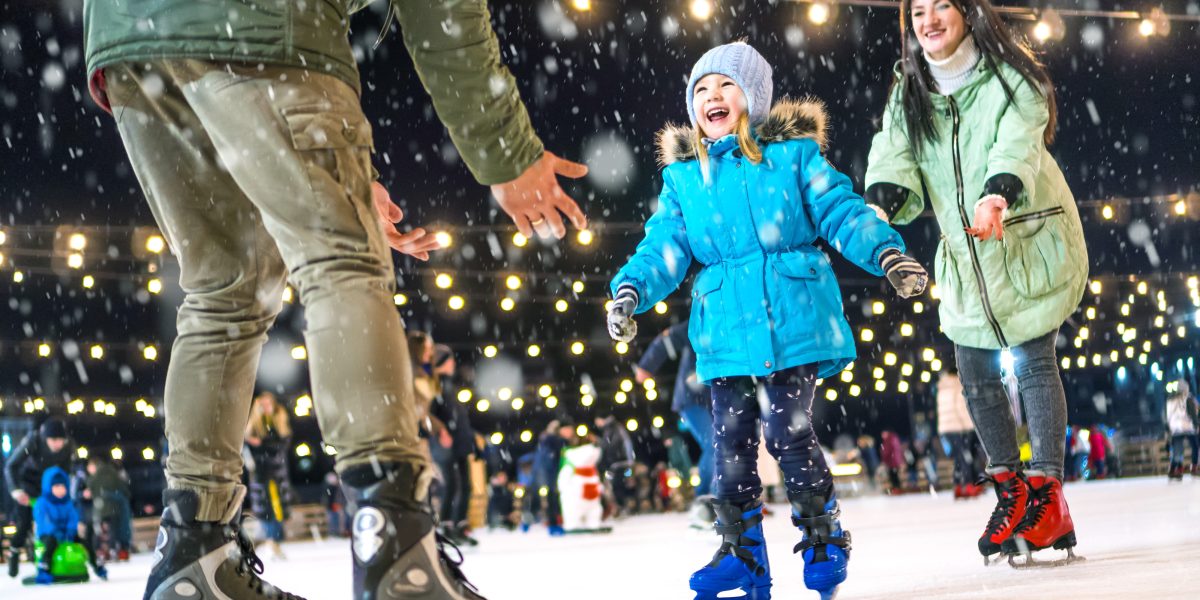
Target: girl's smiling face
{"points": [[718, 103], [939, 26]]}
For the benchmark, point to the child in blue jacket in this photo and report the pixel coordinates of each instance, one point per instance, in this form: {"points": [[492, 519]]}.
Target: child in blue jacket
{"points": [[56, 520], [746, 193]]}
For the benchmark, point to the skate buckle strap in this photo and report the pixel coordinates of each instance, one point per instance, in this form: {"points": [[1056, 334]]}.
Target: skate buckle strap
{"points": [[738, 527], [742, 554], [817, 539], [734, 540]]}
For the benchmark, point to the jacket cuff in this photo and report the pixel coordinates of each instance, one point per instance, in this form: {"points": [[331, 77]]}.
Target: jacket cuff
{"points": [[627, 290], [1006, 185], [889, 197]]}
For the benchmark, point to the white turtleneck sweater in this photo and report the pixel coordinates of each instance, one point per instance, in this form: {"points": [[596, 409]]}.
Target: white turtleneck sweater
{"points": [[954, 71]]}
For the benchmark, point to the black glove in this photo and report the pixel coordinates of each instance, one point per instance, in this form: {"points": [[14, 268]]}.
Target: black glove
{"points": [[904, 273]]}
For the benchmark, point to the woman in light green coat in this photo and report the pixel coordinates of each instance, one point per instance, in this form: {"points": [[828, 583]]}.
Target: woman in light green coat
{"points": [[965, 128]]}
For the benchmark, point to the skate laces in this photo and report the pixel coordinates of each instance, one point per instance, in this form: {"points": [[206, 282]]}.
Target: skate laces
{"points": [[250, 566], [450, 563], [1006, 504], [1039, 500]]}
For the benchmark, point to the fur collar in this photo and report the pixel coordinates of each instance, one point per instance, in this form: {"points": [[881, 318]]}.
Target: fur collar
{"points": [[789, 120]]}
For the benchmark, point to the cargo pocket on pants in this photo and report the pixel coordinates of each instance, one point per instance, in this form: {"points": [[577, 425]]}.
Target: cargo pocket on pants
{"points": [[335, 147]]}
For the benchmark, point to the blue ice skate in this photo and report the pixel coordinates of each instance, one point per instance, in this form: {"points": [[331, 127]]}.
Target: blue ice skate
{"points": [[741, 562], [825, 546]]}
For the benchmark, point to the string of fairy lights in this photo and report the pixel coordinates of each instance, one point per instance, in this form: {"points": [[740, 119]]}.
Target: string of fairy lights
{"points": [[1137, 319], [1049, 22]]}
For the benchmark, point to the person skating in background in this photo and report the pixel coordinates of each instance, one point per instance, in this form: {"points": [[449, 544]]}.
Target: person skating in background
{"points": [[44, 447], [108, 489], [527, 484], [616, 461], [966, 125], [1098, 455], [692, 401], [1181, 421], [868, 456], [1082, 449], [958, 433], [892, 452], [57, 521], [269, 437], [454, 424], [549, 459], [922, 454], [281, 188], [501, 503], [334, 502], [426, 387], [746, 193]]}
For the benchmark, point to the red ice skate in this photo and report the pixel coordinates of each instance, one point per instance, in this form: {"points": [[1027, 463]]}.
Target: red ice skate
{"points": [[1047, 522], [1012, 498]]}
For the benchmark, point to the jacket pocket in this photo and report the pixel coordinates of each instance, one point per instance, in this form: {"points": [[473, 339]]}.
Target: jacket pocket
{"points": [[945, 275], [804, 299], [1035, 253], [707, 325], [798, 264]]}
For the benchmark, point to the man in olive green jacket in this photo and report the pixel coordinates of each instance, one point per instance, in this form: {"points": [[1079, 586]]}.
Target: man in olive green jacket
{"points": [[243, 122]]}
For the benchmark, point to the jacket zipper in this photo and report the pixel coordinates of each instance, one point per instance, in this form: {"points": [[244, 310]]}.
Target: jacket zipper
{"points": [[966, 223], [1033, 216]]}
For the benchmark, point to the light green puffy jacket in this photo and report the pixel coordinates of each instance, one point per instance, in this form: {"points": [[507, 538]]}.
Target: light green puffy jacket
{"points": [[994, 294]]}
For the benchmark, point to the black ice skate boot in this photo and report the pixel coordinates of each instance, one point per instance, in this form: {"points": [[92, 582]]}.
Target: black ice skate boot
{"points": [[398, 553], [205, 560]]}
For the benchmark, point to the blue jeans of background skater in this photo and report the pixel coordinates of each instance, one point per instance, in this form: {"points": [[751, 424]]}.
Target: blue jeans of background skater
{"points": [[780, 405]]}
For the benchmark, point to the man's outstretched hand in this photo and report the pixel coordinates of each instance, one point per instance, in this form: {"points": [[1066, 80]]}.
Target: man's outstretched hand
{"points": [[417, 243], [534, 199]]}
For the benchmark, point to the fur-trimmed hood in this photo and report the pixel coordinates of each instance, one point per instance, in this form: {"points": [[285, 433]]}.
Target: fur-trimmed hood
{"points": [[789, 120]]}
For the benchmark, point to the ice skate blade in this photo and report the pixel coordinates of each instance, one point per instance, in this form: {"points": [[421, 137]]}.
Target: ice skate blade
{"points": [[991, 560], [1032, 563], [758, 593], [830, 595]]}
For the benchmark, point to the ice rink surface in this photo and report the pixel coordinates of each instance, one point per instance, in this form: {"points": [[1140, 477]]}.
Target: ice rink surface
{"points": [[1141, 538]]}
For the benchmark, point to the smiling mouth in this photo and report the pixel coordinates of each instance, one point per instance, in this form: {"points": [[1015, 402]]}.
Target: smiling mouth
{"points": [[716, 115], [933, 35]]}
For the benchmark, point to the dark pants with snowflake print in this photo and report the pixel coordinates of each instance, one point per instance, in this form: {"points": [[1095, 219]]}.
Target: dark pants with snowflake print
{"points": [[780, 407]]}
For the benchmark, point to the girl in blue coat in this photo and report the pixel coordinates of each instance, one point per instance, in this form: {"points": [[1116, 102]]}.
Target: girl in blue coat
{"points": [[746, 193]]}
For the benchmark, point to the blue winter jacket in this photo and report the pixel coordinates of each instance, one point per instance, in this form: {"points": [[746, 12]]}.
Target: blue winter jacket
{"points": [[55, 516], [766, 298]]}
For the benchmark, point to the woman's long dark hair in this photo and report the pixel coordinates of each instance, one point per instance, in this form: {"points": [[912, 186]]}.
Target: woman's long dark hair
{"points": [[995, 42]]}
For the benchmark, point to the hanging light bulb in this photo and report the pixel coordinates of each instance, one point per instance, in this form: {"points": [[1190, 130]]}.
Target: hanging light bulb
{"points": [[819, 13], [702, 10]]}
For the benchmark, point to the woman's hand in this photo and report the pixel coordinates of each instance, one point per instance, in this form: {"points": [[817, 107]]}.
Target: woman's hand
{"points": [[989, 218], [417, 243]]}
